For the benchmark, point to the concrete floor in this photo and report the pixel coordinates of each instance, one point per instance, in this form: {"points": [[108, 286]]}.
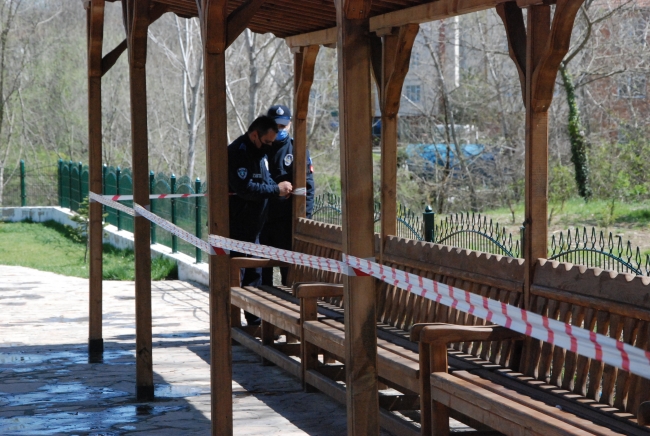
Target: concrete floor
{"points": [[47, 386]]}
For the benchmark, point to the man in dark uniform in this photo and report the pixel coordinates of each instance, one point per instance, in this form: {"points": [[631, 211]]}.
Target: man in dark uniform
{"points": [[277, 231], [251, 187]]}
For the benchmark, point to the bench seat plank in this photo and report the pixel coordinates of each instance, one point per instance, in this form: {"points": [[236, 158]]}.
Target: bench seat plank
{"points": [[496, 411], [279, 316], [539, 406]]}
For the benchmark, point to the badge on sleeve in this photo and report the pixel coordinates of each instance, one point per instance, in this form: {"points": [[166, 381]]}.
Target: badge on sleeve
{"points": [[242, 173], [288, 160]]}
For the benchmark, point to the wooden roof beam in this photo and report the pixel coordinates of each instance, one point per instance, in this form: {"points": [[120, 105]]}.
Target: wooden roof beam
{"points": [[427, 12]]}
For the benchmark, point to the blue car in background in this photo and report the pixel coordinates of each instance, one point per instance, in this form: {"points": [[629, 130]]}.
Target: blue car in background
{"points": [[421, 158]]}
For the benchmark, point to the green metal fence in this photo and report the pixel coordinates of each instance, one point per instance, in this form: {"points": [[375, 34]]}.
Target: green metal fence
{"points": [[187, 213], [30, 185]]}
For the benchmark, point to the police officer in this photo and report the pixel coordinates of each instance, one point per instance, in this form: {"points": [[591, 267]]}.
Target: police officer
{"points": [[251, 187], [277, 231]]}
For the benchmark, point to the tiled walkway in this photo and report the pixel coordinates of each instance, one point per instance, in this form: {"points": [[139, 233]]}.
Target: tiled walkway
{"points": [[47, 386]]}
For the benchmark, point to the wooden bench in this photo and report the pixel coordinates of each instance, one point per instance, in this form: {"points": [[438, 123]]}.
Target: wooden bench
{"points": [[549, 390], [314, 314]]}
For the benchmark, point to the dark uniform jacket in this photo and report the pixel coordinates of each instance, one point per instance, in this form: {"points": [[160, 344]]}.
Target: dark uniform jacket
{"points": [[250, 182], [281, 167]]}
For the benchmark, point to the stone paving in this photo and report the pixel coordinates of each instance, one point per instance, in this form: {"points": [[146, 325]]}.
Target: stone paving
{"points": [[47, 386]]}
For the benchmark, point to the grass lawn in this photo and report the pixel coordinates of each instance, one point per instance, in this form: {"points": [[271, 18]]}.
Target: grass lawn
{"points": [[48, 247]]}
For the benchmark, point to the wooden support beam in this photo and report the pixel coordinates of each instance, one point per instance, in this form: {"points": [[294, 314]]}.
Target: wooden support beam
{"points": [[356, 9], [324, 37], [238, 20], [95, 17], [355, 117], [424, 13], [137, 21], [537, 51], [213, 15], [304, 64], [111, 58], [396, 57]]}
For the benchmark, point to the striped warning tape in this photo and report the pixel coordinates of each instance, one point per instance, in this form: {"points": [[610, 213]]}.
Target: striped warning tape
{"points": [[581, 341], [122, 197], [111, 203], [576, 339]]}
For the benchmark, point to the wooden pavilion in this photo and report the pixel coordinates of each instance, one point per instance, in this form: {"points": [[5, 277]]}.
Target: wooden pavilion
{"points": [[373, 38]]}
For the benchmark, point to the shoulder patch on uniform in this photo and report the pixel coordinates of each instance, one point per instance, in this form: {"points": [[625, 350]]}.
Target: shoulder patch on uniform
{"points": [[242, 173], [288, 160]]}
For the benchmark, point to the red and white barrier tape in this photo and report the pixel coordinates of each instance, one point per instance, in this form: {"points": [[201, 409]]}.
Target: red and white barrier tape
{"points": [[110, 203], [175, 230], [576, 339], [152, 197], [581, 341]]}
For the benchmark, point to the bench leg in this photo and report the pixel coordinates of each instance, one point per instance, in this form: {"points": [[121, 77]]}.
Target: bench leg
{"points": [[425, 389], [235, 316], [308, 352], [268, 339], [440, 422]]}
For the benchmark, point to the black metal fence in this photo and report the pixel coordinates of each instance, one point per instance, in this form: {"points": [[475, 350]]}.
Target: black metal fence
{"points": [[477, 232], [595, 249]]}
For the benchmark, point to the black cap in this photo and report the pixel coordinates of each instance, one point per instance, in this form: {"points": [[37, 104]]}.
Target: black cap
{"points": [[280, 113]]}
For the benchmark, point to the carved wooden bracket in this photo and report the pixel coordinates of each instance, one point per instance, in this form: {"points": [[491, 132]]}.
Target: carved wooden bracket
{"points": [[239, 18], [399, 67], [555, 46], [304, 80]]}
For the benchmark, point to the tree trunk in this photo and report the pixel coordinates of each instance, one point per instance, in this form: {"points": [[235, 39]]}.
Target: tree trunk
{"points": [[577, 138]]}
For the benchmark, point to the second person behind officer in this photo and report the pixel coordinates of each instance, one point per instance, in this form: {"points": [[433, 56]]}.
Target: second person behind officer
{"points": [[277, 231]]}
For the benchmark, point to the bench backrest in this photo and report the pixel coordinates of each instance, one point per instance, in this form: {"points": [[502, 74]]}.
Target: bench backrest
{"points": [[612, 304], [615, 305], [489, 275], [317, 239]]}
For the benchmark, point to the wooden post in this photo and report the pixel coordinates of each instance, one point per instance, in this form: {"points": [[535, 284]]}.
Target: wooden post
{"points": [[535, 245], [395, 59], [95, 15], [213, 15], [358, 235], [304, 63], [137, 14], [537, 61]]}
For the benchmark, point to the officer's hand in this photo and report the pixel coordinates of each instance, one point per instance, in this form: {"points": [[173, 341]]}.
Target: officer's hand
{"points": [[285, 188]]}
